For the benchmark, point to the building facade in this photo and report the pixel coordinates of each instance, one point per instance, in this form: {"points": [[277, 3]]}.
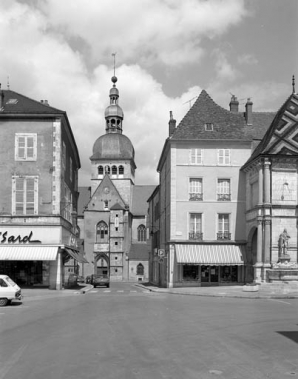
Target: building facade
{"points": [[113, 211], [39, 170], [202, 196]]}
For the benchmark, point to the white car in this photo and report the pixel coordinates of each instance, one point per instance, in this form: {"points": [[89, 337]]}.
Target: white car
{"points": [[9, 290]]}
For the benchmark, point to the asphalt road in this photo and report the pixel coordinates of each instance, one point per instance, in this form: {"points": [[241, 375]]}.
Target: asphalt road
{"points": [[125, 332]]}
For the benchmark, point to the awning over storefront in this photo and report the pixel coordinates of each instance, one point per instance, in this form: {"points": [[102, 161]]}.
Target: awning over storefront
{"points": [[28, 253], [76, 255], [217, 255]]}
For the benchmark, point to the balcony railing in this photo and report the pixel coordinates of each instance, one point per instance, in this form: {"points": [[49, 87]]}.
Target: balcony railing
{"points": [[223, 197], [195, 236], [195, 196], [224, 236]]}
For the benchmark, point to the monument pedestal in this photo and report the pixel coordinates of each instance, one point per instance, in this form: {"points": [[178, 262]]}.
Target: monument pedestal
{"points": [[283, 270]]}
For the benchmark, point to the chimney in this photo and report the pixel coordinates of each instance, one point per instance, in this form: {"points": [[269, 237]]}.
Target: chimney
{"points": [[1, 98], [248, 113], [45, 102], [172, 124], [234, 104]]}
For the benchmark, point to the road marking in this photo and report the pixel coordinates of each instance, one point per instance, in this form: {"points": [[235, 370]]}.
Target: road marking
{"points": [[107, 291], [133, 291], [280, 301], [120, 291], [5, 367], [93, 291]]}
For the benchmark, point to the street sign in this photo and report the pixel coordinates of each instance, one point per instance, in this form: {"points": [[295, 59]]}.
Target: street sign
{"points": [[161, 253]]}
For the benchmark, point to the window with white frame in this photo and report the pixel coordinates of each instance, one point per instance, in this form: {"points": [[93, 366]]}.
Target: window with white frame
{"points": [[102, 232], [25, 195], [196, 156], [224, 157], [63, 158], [70, 169], [223, 190], [141, 233], [223, 226], [25, 146], [195, 189], [195, 226], [67, 204]]}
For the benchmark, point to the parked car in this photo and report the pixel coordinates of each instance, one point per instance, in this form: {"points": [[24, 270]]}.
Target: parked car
{"points": [[80, 279], [9, 290], [100, 280]]}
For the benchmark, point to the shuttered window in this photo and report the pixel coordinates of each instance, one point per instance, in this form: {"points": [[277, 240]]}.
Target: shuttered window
{"points": [[24, 195], [25, 146]]}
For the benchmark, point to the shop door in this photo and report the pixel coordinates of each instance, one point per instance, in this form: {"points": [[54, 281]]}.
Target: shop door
{"points": [[214, 274], [205, 274]]}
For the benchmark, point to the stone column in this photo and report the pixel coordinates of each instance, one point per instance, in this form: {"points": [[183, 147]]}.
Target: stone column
{"points": [[259, 263], [59, 271], [267, 217], [261, 184], [267, 164], [171, 256]]}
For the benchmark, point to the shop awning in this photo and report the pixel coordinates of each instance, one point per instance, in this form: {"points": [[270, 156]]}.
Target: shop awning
{"points": [[217, 255], [28, 253], [76, 255]]}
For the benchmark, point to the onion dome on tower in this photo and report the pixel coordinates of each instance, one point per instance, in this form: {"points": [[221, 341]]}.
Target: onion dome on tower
{"points": [[113, 144]]}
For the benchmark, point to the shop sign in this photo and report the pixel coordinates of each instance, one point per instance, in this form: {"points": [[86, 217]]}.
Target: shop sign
{"points": [[6, 238], [73, 241]]}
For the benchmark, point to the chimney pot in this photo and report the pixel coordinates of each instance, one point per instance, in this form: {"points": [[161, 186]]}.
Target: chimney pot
{"points": [[172, 124], [248, 112], [234, 104]]}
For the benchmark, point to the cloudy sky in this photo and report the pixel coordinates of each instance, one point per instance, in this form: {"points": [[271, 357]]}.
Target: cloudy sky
{"points": [[167, 52]]}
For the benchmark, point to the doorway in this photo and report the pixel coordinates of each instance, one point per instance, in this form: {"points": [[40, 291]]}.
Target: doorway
{"points": [[209, 275]]}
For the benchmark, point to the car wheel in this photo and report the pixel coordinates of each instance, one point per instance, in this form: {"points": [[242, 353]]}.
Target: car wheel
{"points": [[94, 286], [108, 286], [3, 302]]}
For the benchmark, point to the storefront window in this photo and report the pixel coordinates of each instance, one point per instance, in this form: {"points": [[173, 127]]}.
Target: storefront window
{"points": [[190, 272], [228, 274]]}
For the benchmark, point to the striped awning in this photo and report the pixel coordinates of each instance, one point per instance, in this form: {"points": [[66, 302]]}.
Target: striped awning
{"points": [[217, 255], [28, 253], [76, 255]]}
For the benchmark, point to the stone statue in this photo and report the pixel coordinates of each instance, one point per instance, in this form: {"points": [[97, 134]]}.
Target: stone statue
{"points": [[283, 242]]}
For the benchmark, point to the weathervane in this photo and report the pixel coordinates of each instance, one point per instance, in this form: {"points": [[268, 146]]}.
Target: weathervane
{"points": [[189, 101], [114, 55], [293, 83]]}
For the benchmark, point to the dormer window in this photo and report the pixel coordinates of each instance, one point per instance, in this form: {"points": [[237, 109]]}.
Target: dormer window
{"points": [[209, 127]]}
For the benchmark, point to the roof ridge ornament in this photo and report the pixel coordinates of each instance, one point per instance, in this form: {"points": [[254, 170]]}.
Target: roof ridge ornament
{"points": [[293, 83]]}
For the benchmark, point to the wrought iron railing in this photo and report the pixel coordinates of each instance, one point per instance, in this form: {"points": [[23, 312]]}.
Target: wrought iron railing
{"points": [[195, 236], [195, 196], [223, 197], [223, 236]]}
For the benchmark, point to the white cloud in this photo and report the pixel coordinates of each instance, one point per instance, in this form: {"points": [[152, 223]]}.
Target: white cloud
{"points": [[224, 69], [248, 59]]}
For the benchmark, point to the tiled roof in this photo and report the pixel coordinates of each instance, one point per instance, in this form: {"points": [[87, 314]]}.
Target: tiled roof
{"points": [[84, 199], [13, 102], [263, 145], [139, 200], [139, 252], [226, 124]]}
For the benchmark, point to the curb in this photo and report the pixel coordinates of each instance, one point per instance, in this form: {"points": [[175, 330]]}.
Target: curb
{"points": [[257, 297]]}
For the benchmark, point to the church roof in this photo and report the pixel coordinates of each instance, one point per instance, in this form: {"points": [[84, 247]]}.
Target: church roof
{"points": [[225, 124], [282, 135], [113, 146], [139, 252], [84, 198], [141, 194]]}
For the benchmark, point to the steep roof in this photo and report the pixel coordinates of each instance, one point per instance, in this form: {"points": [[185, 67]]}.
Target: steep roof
{"points": [[84, 198], [226, 124], [141, 194], [139, 252], [282, 135], [14, 103]]}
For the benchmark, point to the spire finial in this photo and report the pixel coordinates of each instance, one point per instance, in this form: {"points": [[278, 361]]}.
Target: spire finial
{"points": [[114, 55], [8, 82], [293, 83]]}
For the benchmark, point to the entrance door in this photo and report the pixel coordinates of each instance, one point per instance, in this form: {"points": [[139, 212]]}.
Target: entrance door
{"points": [[214, 274], [205, 274]]}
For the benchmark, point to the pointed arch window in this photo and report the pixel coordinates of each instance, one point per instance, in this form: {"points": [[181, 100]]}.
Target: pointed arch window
{"points": [[100, 170], [102, 232], [140, 269], [114, 170], [121, 170], [141, 233]]}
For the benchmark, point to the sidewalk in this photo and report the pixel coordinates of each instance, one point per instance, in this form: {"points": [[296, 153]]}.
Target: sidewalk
{"points": [[265, 292]]}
